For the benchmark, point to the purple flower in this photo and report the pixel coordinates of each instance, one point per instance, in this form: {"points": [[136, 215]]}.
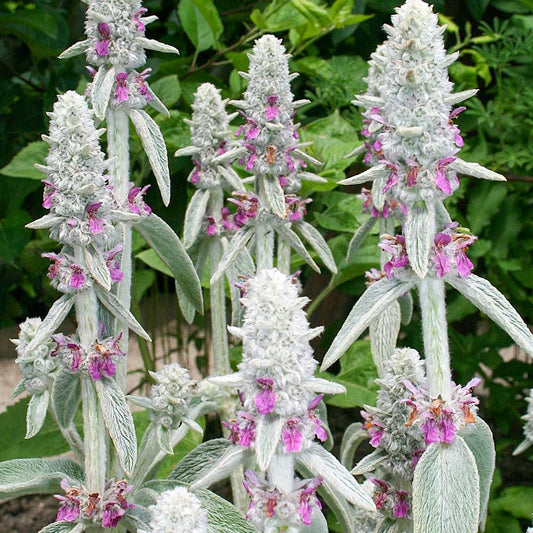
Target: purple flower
{"points": [[393, 177], [430, 430], [47, 201], [272, 110], [136, 203], [121, 91], [464, 265], [195, 177], [53, 269], [381, 493], [211, 226], [290, 163], [265, 401], [251, 159], [282, 180], [69, 507], [141, 82], [96, 225], [112, 264], [320, 432], [412, 174], [307, 497], [102, 46], [77, 278], [136, 18], [442, 261], [242, 430], [292, 438], [441, 179], [112, 515], [375, 429], [447, 427], [402, 507]]}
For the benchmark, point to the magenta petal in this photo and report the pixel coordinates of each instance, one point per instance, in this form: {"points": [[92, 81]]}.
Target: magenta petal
{"points": [[292, 438], [265, 401], [464, 265], [442, 181], [430, 430]]}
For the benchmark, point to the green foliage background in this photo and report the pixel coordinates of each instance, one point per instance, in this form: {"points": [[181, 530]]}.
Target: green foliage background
{"points": [[330, 43]]}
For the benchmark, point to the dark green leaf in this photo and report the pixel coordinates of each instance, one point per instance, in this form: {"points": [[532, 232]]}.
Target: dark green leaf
{"points": [[23, 164]]}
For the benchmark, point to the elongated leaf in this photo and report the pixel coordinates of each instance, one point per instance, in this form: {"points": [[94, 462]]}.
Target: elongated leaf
{"points": [[379, 171], [274, 195], [163, 439], [267, 439], [493, 303], [476, 170], [117, 309], [155, 148], [60, 527], [317, 242], [77, 48], [156, 46], [66, 395], [406, 308], [418, 237], [445, 490], [19, 477], [359, 237], [296, 243], [374, 301], [97, 267], [194, 216], [187, 308], [478, 438], [45, 222], [221, 467], [222, 516], [118, 421], [101, 90], [369, 463], [57, 313], [160, 236], [237, 243], [352, 438], [37, 409], [138, 518], [322, 463], [384, 333]]}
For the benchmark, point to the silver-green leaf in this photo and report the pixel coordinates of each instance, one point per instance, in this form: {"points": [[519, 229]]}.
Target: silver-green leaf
{"points": [[36, 414], [418, 237], [102, 86], [155, 148], [118, 421], [195, 216], [267, 438], [317, 242], [66, 395], [446, 490]]}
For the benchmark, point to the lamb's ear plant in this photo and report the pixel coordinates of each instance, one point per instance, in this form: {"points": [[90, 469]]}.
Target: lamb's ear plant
{"points": [[410, 121], [115, 48], [271, 151], [279, 419]]}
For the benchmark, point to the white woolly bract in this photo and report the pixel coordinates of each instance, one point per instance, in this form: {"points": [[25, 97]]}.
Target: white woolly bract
{"points": [[176, 511], [75, 175], [170, 395], [36, 367], [124, 49], [275, 344], [406, 106], [399, 441]]}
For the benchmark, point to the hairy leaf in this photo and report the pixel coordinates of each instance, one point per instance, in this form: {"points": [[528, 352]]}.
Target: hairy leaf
{"points": [[418, 237], [37, 409], [353, 436], [195, 216], [317, 242], [267, 438], [66, 395]]}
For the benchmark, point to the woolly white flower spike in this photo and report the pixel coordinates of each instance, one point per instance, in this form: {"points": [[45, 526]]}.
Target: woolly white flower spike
{"points": [[38, 370], [528, 427], [274, 154], [178, 510], [277, 390], [168, 406]]}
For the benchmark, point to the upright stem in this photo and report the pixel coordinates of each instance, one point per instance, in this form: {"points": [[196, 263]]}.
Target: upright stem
{"points": [[281, 471], [119, 172], [284, 256], [217, 294], [435, 331], [264, 241]]}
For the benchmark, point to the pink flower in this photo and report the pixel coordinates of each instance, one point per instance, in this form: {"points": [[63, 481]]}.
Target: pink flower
{"points": [[211, 226], [50, 191], [113, 265], [111, 515], [402, 507], [272, 111], [292, 438], [265, 401], [442, 261], [393, 177], [381, 493], [412, 174], [136, 202], [53, 269], [441, 179], [96, 225], [69, 507], [102, 46], [121, 91], [375, 429], [77, 278], [447, 427], [430, 430], [320, 432], [464, 265], [141, 82], [282, 180], [307, 497], [136, 18]]}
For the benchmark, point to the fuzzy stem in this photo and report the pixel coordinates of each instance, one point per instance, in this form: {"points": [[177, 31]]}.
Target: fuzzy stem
{"points": [[217, 295], [281, 472], [264, 241], [435, 331], [94, 438], [71, 435], [119, 172], [284, 256]]}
